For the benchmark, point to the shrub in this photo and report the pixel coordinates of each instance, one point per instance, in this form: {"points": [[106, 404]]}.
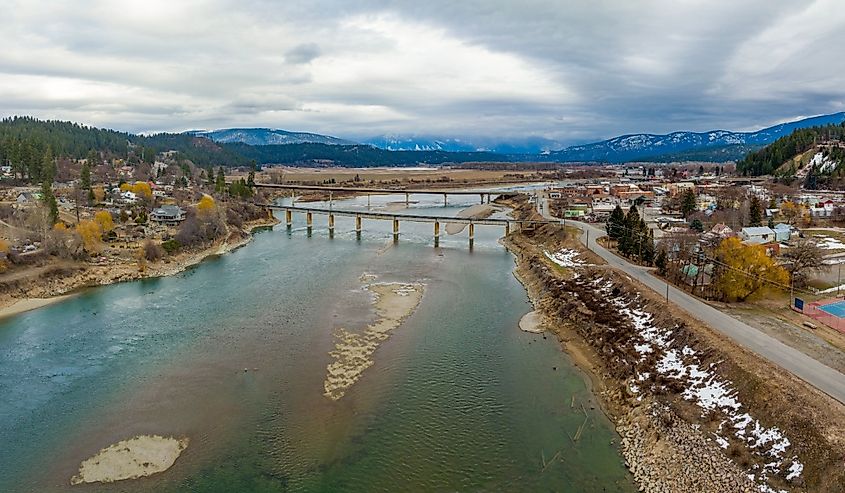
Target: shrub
{"points": [[171, 246], [152, 251]]}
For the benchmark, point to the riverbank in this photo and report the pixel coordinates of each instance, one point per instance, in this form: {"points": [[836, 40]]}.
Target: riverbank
{"points": [[58, 282], [694, 411]]}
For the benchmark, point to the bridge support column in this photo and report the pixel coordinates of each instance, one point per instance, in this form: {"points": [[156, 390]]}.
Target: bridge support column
{"points": [[331, 225], [309, 221], [358, 226], [407, 199], [444, 200], [368, 201], [289, 218], [436, 234], [395, 230], [482, 198], [471, 234], [507, 228]]}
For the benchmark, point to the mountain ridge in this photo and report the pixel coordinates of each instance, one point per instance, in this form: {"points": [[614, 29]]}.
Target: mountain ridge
{"points": [[646, 146]]}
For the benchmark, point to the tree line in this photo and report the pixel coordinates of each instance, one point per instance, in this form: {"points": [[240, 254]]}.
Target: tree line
{"points": [[770, 158]]}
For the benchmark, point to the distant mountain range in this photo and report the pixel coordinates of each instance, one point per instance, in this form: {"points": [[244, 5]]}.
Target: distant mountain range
{"points": [[716, 145], [528, 145], [266, 136], [721, 145]]}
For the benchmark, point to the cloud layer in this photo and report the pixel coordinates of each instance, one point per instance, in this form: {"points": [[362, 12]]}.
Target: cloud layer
{"points": [[571, 71]]}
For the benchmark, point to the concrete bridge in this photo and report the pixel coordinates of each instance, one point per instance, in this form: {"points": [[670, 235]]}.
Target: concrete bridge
{"points": [[483, 194], [359, 216]]}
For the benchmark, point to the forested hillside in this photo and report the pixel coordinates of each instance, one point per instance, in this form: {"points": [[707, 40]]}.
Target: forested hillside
{"points": [[354, 155], [24, 141], [770, 158]]}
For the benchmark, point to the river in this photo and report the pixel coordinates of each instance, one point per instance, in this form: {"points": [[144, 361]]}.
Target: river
{"points": [[457, 399]]}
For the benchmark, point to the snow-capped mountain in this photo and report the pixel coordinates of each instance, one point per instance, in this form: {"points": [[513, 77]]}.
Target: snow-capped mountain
{"points": [[527, 145], [651, 146], [267, 136]]}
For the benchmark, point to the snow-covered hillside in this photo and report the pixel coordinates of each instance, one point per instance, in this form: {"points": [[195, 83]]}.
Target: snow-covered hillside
{"points": [[268, 136]]}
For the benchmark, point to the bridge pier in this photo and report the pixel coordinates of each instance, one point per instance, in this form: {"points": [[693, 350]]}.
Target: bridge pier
{"points": [[358, 226], [395, 230], [482, 198], [368, 201], [331, 225], [309, 221], [289, 218], [507, 228], [471, 234], [436, 234], [407, 199], [444, 200]]}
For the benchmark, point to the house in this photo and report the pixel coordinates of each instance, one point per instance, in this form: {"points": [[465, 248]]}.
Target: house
{"points": [[129, 197], [170, 215], [757, 235], [722, 230], [25, 198], [783, 232]]}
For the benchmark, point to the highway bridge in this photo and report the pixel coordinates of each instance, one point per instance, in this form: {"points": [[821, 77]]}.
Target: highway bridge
{"points": [[359, 216], [483, 194]]}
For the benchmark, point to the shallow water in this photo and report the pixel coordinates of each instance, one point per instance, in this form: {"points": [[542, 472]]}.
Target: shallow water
{"points": [[458, 398]]}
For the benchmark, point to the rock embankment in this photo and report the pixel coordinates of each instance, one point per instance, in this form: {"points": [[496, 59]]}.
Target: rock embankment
{"points": [[667, 454]]}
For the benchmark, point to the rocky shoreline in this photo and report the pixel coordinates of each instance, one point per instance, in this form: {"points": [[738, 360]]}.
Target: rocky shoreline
{"points": [[63, 281], [691, 417]]}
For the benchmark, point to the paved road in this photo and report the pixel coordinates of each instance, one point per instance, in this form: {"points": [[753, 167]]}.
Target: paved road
{"points": [[799, 364]]}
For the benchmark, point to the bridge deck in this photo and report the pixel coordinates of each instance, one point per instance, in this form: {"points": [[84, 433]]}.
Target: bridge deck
{"points": [[324, 188], [412, 217]]}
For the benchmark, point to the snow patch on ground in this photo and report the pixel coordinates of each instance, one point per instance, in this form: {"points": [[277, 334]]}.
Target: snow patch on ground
{"points": [[829, 243], [566, 258], [706, 388]]}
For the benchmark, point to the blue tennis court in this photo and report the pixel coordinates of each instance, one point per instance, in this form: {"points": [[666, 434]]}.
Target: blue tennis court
{"points": [[836, 309]]}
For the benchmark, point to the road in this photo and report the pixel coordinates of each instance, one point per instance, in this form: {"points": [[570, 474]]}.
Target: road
{"points": [[799, 364]]}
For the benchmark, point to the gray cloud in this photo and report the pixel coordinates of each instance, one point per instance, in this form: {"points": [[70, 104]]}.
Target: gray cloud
{"points": [[303, 53], [573, 72]]}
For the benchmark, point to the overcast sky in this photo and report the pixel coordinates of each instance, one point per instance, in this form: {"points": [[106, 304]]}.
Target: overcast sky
{"points": [[569, 70]]}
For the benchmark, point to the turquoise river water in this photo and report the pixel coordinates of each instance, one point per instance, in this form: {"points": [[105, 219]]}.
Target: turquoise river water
{"points": [[458, 398]]}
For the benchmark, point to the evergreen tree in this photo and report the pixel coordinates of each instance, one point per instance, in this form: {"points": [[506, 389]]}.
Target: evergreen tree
{"points": [[647, 255], [85, 179], [697, 225], [220, 184], [48, 172], [250, 182], [661, 262], [755, 212], [688, 203], [616, 223], [628, 241]]}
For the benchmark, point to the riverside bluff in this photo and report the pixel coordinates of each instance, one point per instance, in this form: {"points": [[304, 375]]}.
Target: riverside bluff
{"points": [[58, 281], [695, 412]]}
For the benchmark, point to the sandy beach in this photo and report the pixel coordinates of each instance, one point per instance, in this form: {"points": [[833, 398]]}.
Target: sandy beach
{"points": [[532, 322], [25, 305], [393, 303], [134, 458]]}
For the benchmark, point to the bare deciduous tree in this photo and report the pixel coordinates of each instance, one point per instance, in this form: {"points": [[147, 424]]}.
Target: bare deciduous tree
{"points": [[803, 259]]}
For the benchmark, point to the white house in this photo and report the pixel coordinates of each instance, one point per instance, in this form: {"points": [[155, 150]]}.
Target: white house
{"points": [[757, 235], [129, 197]]}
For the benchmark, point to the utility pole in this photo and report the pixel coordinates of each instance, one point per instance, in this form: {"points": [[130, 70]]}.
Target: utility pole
{"points": [[667, 292]]}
